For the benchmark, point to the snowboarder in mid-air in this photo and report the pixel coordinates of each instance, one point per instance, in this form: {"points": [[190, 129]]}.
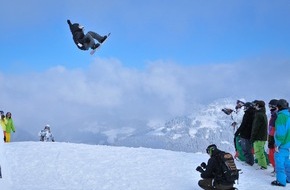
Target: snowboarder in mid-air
{"points": [[85, 41]]}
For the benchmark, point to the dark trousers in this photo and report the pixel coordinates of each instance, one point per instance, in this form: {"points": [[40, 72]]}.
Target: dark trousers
{"points": [[247, 150], [207, 184]]}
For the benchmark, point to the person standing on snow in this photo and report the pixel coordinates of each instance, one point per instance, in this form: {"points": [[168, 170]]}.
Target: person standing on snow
{"points": [[9, 127], [237, 118], [282, 144], [245, 130], [42, 133], [271, 131], [49, 136], [3, 123], [85, 41], [259, 133]]}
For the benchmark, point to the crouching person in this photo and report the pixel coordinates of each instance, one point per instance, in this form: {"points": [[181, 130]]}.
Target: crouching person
{"points": [[212, 172]]}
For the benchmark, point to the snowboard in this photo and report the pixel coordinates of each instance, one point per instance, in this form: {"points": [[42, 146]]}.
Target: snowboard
{"points": [[94, 50]]}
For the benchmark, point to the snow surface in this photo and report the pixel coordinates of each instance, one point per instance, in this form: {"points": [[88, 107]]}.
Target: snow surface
{"points": [[69, 166]]}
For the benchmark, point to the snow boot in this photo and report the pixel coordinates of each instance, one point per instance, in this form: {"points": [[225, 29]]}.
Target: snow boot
{"points": [[104, 38], [277, 183], [96, 46]]}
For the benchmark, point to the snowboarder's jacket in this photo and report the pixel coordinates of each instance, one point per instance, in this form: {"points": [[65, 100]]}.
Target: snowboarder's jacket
{"points": [[260, 126], [245, 128], [9, 126], [282, 127], [3, 123], [78, 34], [214, 170]]}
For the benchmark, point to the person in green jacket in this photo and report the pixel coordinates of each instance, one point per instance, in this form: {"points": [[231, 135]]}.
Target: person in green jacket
{"points": [[9, 127]]}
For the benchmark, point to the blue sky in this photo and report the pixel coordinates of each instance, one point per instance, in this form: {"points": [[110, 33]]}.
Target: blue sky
{"points": [[162, 59], [188, 32]]}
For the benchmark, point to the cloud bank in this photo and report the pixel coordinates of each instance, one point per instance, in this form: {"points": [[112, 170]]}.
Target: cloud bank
{"points": [[108, 94]]}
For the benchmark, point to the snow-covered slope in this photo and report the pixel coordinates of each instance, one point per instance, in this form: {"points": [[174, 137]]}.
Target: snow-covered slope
{"points": [[68, 166]]}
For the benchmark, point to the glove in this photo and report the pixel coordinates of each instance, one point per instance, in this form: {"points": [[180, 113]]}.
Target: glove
{"points": [[199, 169], [236, 155], [234, 124], [203, 165], [276, 149], [68, 21], [4, 138]]}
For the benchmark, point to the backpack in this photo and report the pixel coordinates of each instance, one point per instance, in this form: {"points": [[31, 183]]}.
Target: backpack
{"points": [[230, 173]]}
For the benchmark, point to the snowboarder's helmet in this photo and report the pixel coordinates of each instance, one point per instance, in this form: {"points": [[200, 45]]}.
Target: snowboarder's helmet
{"points": [[210, 149], [258, 104], [273, 104], [239, 104], [247, 105], [282, 104]]}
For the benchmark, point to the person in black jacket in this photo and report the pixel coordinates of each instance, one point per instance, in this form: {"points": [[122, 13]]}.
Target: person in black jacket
{"points": [[211, 173], [259, 133], [245, 130], [85, 41]]}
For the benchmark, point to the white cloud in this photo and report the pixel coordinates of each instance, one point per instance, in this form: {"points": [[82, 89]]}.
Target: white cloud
{"points": [[108, 92]]}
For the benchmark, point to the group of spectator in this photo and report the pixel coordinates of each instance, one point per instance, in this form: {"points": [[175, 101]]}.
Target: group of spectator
{"points": [[7, 125], [255, 132]]}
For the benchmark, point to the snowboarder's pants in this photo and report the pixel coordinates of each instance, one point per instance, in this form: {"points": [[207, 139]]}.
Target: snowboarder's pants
{"points": [[260, 153], [8, 137], [247, 150], [4, 135], [239, 149], [271, 156], [282, 161], [92, 35], [206, 184]]}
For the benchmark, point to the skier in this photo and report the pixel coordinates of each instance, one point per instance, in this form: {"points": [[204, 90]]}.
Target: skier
{"points": [[85, 41], [282, 144]]}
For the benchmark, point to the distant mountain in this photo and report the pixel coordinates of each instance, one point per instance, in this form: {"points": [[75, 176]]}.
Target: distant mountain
{"points": [[193, 133], [206, 124]]}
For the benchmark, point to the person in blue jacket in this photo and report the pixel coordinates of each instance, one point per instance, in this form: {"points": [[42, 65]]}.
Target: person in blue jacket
{"points": [[282, 144]]}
